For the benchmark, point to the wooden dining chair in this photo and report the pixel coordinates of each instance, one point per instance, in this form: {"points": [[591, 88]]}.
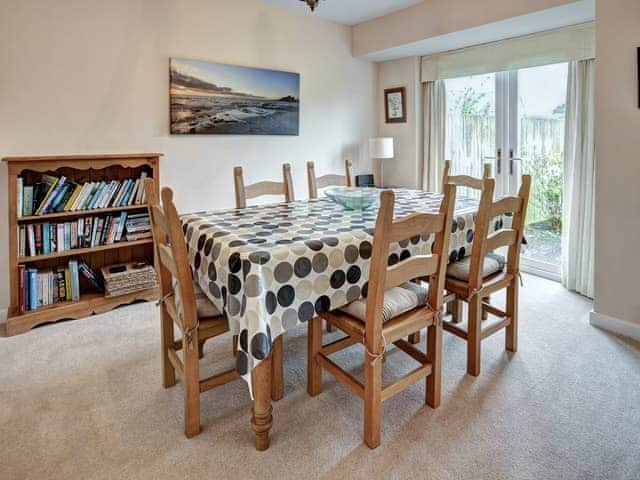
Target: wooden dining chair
{"points": [[473, 279], [184, 304], [464, 180], [330, 179], [394, 308], [259, 189]]}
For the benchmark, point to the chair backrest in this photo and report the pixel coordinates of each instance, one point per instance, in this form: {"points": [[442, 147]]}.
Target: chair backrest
{"points": [[172, 260], [327, 180], [267, 187], [434, 265], [485, 242], [464, 180]]}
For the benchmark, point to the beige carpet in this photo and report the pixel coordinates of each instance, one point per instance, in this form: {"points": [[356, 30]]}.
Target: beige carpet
{"points": [[83, 400]]}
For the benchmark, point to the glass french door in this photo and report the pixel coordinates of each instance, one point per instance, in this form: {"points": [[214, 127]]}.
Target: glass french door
{"points": [[515, 120]]}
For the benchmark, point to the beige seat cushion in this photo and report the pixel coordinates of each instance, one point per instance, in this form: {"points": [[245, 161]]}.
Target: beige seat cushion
{"points": [[397, 300], [205, 307], [493, 263]]}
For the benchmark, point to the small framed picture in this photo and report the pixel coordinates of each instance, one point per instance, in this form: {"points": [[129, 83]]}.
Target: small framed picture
{"points": [[395, 105]]}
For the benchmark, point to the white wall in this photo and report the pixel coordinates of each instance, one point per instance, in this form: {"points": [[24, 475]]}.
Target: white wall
{"points": [[92, 76], [404, 169], [618, 162]]}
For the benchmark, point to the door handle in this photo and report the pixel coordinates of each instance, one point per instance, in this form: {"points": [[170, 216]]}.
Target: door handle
{"points": [[499, 161], [512, 159]]}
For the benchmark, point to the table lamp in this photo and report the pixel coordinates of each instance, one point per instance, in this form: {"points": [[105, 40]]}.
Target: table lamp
{"points": [[381, 148]]}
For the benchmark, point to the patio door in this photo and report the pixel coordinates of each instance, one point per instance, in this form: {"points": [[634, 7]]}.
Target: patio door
{"points": [[515, 120]]}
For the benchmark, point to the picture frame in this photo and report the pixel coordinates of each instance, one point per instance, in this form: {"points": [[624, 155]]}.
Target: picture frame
{"points": [[212, 98], [395, 105]]}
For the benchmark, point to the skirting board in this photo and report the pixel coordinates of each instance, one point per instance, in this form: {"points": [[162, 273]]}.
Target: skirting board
{"points": [[615, 325]]}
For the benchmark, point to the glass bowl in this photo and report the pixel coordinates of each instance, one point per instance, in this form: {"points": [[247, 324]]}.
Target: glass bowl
{"points": [[353, 198]]}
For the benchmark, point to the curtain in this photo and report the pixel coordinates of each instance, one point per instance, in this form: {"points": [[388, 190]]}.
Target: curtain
{"points": [[579, 180], [435, 120]]}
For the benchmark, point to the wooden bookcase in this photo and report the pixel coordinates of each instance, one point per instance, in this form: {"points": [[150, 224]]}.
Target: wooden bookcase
{"points": [[78, 168]]}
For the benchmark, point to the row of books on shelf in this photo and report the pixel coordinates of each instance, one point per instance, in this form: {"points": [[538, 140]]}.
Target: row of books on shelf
{"points": [[87, 232], [41, 287], [56, 194]]}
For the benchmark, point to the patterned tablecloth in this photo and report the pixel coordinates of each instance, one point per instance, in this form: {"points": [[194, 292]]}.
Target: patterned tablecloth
{"points": [[272, 267]]}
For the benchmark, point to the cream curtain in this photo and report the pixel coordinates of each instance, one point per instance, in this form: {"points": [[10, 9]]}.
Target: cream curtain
{"points": [[579, 180], [435, 120]]}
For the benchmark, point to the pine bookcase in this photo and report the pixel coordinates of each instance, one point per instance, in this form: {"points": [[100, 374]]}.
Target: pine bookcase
{"points": [[77, 168]]}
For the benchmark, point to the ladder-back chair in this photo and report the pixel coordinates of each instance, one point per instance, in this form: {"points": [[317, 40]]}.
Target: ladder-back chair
{"points": [[473, 279], [184, 304], [330, 179], [395, 307], [259, 189]]}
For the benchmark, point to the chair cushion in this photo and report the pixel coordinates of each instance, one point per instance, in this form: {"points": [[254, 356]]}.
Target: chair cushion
{"points": [[205, 307], [493, 263], [397, 300]]}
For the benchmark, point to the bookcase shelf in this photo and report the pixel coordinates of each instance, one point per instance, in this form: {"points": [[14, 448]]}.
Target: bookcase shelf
{"points": [[80, 169], [76, 252], [78, 213]]}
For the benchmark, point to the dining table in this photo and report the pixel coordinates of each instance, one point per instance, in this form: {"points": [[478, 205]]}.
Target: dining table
{"points": [[273, 267]]}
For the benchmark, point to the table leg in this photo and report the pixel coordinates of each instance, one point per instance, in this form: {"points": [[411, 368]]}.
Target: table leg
{"points": [[262, 419], [277, 369]]}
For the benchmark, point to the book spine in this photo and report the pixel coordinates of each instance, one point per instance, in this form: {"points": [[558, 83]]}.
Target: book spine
{"points": [[61, 285], [67, 284], [46, 239], [20, 196], [21, 289], [52, 238], [31, 240], [60, 236], [67, 236], [75, 281], [33, 289]]}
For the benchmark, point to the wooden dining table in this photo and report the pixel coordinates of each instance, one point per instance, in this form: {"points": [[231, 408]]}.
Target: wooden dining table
{"points": [[274, 267]]}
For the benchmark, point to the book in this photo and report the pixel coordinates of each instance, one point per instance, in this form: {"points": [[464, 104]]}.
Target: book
{"points": [[46, 239], [140, 193], [51, 198], [62, 289], [38, 195], [74, 195], [75, 281], [38, 236], [60, 237], [53, 238], [118, 197], [67, 284], [33, 289], [21, 289], [58, 202], [49, 183], [27, 201], [31, 241], [20, 194]]}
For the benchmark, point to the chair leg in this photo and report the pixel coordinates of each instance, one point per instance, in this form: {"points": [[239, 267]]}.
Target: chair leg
{"points": [[277, 369], [414, 338], [453, 307], [485, 314], [434, 357], [314, 344], [329, 326], [372, 401], [201, 348], [235, 345], [474, 336], [191, 386], [166, 340], [511, 339]]}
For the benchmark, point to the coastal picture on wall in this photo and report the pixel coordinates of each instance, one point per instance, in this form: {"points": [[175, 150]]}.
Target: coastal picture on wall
{"points": [[215, 98]]}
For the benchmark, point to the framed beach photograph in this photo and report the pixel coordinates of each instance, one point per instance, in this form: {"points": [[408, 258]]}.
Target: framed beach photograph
{"points": [[220, 99], [395, 105]]}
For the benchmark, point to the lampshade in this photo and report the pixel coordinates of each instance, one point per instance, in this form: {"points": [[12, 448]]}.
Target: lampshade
{"points": [[381, 147]]}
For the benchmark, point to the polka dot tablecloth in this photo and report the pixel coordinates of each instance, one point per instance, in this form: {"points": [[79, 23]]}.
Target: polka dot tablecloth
{"points": [[272, 267]]}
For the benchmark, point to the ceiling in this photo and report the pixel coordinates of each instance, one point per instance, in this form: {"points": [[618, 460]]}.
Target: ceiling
{"points": [[349, 12]]}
